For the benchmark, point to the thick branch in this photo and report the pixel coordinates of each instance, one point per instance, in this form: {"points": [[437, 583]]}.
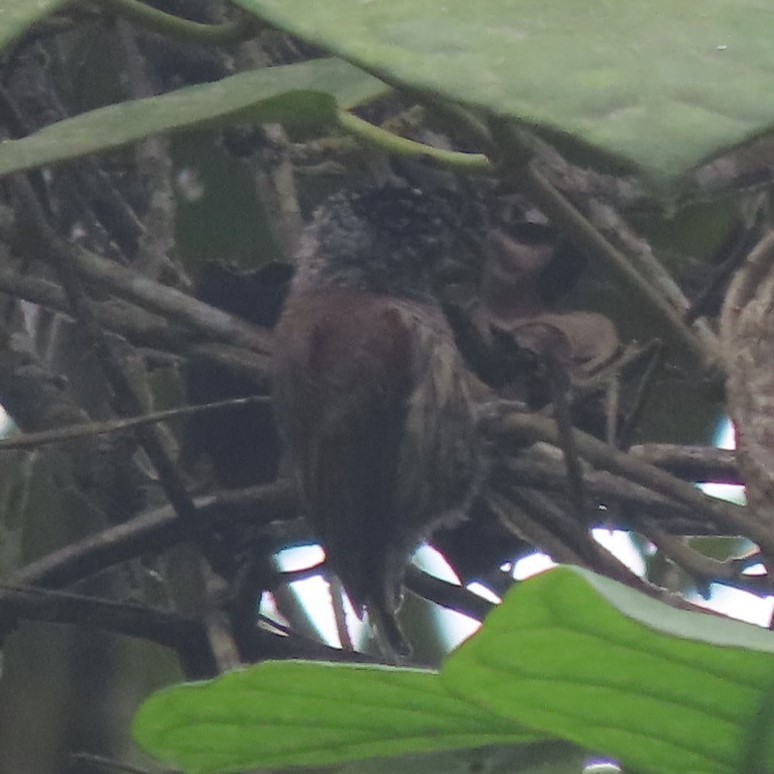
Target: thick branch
{"points": [[692, 463], [154, 532], [531, 428], [172, 304]]}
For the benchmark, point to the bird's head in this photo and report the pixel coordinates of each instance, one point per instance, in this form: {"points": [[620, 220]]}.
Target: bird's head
{"points": [[383, 240]]}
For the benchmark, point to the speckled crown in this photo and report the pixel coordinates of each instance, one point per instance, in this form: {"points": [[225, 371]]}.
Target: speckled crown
{"points": [[381, 239]]}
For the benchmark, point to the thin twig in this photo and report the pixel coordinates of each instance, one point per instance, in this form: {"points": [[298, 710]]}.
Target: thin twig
{"points": [[448, 595], [743, 243], [640, 399], [517, 520], [576, 536], [563, 214], [704, 569], [640, 252], [609, 491], [559, 384], [72, 432], [339, 613]]}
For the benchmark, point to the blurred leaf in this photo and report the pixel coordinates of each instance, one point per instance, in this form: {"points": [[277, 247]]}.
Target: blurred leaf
{"points": [[303, 713], [693, 234], [17, 15], [219, 217], [295, 94], [660, 85], [592, 661], [63, 676], [721, 548]]}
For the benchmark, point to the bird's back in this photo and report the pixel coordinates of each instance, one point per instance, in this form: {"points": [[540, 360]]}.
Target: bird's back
{"points": [[372, 400]]}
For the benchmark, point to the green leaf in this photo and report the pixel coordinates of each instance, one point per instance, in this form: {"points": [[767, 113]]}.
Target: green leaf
{"points": [[17, 15], [659, 84], [296, 713], [290, 94], [592, 661]]}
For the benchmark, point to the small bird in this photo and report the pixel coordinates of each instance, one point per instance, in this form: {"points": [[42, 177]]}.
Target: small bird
{"points": [[371, 396]]}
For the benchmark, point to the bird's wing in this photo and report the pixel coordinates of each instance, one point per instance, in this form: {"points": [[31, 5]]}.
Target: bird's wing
{"points": [[344, 377]]}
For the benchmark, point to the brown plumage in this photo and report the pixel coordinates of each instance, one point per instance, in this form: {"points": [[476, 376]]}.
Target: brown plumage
{"points": [[371, 396]]}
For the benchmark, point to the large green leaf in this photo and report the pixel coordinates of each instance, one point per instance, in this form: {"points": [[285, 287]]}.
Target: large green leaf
{"points": [[612, 670], [303, 713], [291, 94], [658, 83], [17, 15], [568, 653]]}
